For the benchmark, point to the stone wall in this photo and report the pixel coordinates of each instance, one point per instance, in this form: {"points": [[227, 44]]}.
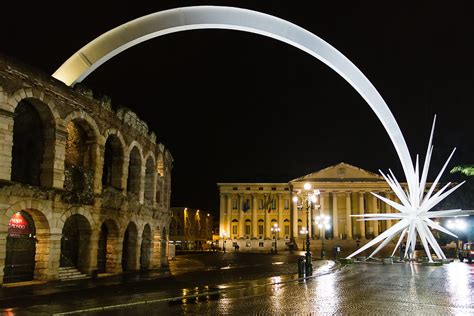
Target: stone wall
{"points": [[75, 127]]}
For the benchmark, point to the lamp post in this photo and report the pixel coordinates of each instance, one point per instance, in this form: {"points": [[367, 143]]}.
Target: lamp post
{"points": [[275, 230], [323, 224], [307, 197], [303, 231]]}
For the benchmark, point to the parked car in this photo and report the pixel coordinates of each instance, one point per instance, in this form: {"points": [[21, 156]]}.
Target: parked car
{"points": [[467, 252]]}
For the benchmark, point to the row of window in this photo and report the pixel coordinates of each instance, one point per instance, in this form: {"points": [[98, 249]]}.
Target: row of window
{"points": [[261, 204]]}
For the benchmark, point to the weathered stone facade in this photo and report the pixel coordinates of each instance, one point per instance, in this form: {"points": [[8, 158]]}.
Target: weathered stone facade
{"points": [[87, 176]]}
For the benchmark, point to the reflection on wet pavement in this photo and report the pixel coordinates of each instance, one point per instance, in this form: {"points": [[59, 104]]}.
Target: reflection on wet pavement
{"points": [[361, 289]]}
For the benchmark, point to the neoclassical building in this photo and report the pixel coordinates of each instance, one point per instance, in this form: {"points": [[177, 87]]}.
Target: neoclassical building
{"points": [[84, 188], [248, 211]]}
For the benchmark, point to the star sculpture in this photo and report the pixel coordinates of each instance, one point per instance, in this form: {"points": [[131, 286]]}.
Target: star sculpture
{"points": [[415, 215]]}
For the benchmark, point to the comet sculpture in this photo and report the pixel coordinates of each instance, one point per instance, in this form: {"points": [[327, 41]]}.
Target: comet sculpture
{"points": [[415, 216]]}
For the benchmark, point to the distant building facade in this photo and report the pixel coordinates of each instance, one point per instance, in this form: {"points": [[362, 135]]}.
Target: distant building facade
{"points": [[190, 229], [248, 211], [84, 188]]}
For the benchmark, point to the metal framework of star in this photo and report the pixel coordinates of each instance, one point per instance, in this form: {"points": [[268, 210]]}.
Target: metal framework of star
{"points": [[415, 216]]}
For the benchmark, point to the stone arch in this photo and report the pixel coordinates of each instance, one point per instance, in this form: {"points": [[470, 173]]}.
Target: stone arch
{"points": [[129, 248], [81, 157], [34, 140], [108, 247], [113, 42], [75, 243], [134, 178], [37, 243], [146, 248], [159, 178], [113, 160], [150, 178]]}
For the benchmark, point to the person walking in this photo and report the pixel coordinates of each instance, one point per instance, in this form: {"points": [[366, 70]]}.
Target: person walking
{"points": [[402, 252]]}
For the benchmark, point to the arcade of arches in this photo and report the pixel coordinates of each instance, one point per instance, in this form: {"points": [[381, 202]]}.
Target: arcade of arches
{"points": [[82, 186]]}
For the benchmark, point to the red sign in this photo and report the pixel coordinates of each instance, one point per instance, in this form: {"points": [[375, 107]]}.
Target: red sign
{"points": [[18, 225]]}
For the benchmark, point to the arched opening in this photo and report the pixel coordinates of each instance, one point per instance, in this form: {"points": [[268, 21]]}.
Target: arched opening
{"points": [[33, 142], [107, 247], [149, 179], [248, 228], [21, 248], [75, 241], [129, 248], [134, 172], [113, 163], [145, 248], [79, 163], [163, 245]]}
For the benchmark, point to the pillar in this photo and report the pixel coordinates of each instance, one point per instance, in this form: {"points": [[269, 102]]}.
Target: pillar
{"points": [[322, 210], [280, 216], [229, 215], [92, 252], [222, 214], [389, 209], [6, 145], [254, 216], [294, 218], [348, 216], [335, 221], [48, 253], [375, 210], [241, 231], [267, 223], [361, 211]]}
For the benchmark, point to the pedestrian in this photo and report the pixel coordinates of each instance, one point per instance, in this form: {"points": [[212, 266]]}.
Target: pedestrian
{"points": [[409, 254], [358, 243], [402, 252]]}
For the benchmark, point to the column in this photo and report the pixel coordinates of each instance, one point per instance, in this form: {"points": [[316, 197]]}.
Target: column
{"points": [[6, 144], [229, 215], [294, 218], [241, 232], [361, 211], [222, 214], [389, 209], [335, 221], [280, 215], [254, 216], [375, 210], [348, 216], [267, 222], [322, 211]]}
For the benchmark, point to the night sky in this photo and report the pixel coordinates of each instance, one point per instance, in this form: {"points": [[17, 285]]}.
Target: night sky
{"points": [[233, 106]]}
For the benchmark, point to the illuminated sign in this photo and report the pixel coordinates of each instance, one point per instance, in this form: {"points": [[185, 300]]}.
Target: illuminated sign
{"points": [[18, 225]]}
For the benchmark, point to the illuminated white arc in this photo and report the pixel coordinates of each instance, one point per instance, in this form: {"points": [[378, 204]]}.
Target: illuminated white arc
{"points": [[115, 41]]}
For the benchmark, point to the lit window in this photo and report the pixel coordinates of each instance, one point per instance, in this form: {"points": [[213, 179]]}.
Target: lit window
{"points": [[234, 229], [260, 204], [260, 229], [234, 204], [287, 204]]}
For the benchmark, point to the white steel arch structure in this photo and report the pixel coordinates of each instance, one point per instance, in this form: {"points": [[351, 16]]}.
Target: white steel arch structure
{"points": [[115, 41]]}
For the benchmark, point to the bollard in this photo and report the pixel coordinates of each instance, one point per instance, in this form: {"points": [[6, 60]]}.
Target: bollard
{"points": [[301, 267]]}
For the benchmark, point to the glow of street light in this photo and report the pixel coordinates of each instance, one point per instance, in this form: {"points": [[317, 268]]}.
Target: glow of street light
{"points": [[307, 186], [295, 199]]}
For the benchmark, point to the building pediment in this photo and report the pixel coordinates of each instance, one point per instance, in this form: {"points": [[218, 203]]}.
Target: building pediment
{"points": [[340, 172]]}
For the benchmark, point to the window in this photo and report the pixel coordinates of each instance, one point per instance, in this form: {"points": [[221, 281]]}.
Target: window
{"points": [[286, 189], [274, 188], [247, 188], [260, 243], [234, 229], [260, 204], [299, 229], [287, 229], [247, 230], [274, 204], [260, 230], [235, 188], [248, 244], [287, 204], [260, 189], [234, 204]]}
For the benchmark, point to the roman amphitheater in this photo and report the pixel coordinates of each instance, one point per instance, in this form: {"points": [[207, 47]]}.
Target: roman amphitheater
{"points": [[84, 186]]}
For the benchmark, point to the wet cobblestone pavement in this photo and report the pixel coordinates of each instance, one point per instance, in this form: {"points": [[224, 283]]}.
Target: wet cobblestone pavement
{"points": [[359, 289], [262, 284]]}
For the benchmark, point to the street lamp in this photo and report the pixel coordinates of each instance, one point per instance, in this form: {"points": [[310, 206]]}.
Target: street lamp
{"points": [[308, 199], [303, 231], [275, 230], [323, 224]]}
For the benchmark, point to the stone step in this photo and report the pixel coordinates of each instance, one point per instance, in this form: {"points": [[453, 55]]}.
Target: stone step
{"points": [[70, 273]]}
